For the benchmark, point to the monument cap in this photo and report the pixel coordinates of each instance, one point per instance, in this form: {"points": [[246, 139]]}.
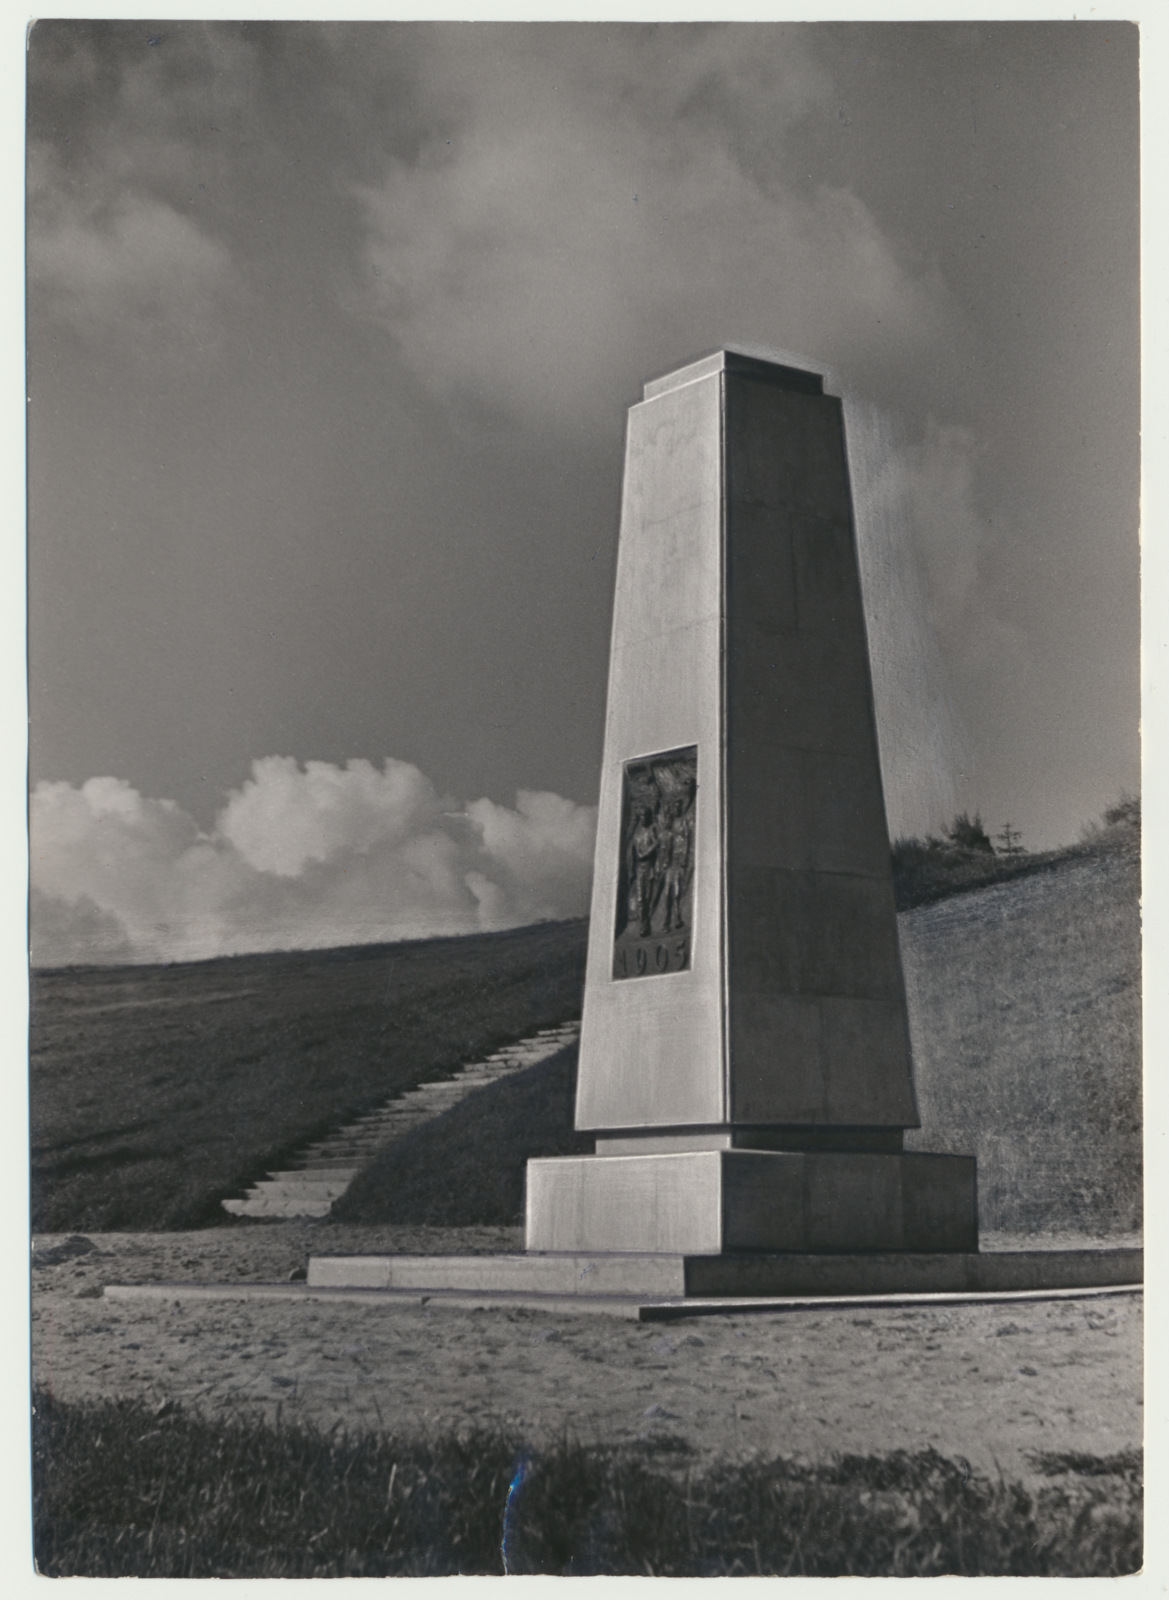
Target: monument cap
{"points": [[742, 365]]}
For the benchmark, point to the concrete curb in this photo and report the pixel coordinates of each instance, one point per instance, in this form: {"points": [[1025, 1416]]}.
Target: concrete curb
{"points": [[628, 1307]]}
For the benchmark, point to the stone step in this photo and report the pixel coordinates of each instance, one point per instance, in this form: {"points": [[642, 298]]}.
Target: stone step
{"points": [[277, 1208], [319, 1173], [306, 1183], [306, 1189], [294, 1175], [370, 1141]]}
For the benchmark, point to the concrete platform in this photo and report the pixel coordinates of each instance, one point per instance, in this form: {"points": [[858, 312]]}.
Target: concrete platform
{"points": [[753, 1276], [634, 1308]]}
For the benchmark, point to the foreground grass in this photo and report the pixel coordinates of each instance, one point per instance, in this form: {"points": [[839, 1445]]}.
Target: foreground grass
{"points": [[155, 1091], [120, 1490]]}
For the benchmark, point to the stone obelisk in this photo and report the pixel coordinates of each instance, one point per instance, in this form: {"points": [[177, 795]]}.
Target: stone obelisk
{"points": [[744, 1057]]}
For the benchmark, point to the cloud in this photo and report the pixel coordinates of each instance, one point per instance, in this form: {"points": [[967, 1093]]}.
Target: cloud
{"points": [[135, 264], [536, 851], [580, 215], [118, 139], [299, 858], [903, 517], [284, 818], [942, 658]]}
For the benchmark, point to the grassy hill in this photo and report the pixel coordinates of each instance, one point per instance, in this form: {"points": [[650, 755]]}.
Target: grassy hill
{"points": [[1024, 1002], [1025, 1009], [467, 1166], [156, 1090]]}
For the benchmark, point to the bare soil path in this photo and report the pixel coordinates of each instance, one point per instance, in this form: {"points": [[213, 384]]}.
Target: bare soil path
{"points": [[993, 1383]]}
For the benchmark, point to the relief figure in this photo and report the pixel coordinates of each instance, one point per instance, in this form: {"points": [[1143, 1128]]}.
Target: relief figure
{"points": [[656, 867]]}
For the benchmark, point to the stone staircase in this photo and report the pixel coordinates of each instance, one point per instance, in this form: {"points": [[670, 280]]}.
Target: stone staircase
{"points": [[321, 1172]]}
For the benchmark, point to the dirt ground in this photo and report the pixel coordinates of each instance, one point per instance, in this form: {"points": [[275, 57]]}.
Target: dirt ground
{"points": [[993, 1383]]}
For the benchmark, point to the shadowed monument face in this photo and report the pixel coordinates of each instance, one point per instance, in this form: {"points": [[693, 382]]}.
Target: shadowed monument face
{"points": [[745, 1049]]}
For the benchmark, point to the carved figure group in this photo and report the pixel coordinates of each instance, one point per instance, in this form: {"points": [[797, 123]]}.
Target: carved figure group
{"points": [[660, 857]]}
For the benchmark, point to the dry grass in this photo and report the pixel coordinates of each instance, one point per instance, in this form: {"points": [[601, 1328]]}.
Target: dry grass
{"points": [[122, 1490], [1024, 1003], [1025, 1007], [155, 1092]]}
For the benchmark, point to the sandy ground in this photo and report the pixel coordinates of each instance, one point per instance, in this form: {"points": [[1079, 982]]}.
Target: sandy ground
{"points": [[995, 1384]]}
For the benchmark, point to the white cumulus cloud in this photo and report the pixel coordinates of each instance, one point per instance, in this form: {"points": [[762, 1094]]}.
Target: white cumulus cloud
{"points": [[299, 858], [284, 818], [536, 850]]}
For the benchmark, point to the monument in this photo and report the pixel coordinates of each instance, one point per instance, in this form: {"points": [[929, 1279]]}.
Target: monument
{"points": [[744, 1060], [744, 1056]]}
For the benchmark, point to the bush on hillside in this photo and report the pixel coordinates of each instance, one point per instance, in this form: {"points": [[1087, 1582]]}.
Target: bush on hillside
{"points": [[1126, 811], [962, 858], [967, 834], [1121, 825]]}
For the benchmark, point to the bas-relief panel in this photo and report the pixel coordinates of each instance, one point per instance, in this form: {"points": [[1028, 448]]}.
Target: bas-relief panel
{"points": [[655, 873]]}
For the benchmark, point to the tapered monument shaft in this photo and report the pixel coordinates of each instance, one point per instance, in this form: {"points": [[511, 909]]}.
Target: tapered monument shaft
{"points": [[739, 637], [744, 1050]]}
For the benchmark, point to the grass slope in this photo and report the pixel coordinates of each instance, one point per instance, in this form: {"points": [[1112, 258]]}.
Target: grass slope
{"points": [[1025, 1009], [1024, 1003], [922, 875], [467, 1165], [121, 1490], [155, 1091]]}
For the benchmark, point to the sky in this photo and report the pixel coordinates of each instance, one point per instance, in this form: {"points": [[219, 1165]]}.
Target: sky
{"points": [[332, 330]]}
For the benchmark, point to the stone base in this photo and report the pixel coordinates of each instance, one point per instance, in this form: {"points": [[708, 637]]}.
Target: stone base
{"points": [[712, 1202], [598, 1281], [651, 1288]]}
